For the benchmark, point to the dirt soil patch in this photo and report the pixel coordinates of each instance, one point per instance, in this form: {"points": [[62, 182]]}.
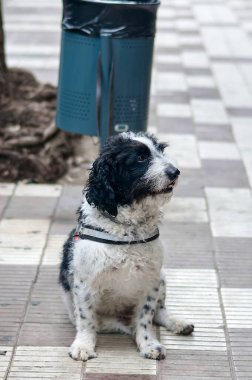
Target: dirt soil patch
{"points": [[31, 147]]}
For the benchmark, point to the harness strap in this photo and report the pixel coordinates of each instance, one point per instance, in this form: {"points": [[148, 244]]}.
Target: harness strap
{"points": [[101, 236]]}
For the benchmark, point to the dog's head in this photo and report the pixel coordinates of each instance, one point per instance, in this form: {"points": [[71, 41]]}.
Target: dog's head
{"points": [[129, 168]]}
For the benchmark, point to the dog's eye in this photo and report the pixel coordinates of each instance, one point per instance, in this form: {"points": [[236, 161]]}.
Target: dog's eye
{"points": [[141, 158]]}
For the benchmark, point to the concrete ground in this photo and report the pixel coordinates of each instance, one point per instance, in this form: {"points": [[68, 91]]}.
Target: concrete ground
{"points": [[202, 104]]}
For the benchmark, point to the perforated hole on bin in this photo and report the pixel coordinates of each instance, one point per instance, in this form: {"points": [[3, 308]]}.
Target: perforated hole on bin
{"points": [[75, 104], [130, 108]]}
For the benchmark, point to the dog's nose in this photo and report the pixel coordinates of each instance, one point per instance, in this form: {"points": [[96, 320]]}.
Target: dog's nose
{"points": [[172, 173]]}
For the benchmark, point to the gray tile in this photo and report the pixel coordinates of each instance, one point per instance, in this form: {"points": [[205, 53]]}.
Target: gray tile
{"points": [[180, 97], [224, 173], [8, 333], [167, 50], [197, 71], [239, 111], [195, 365], [241, 345], [214, 132], [232, 59], [234, 261], [169, 67], [191, 183], [69, 201], [175, 125], [192, 47], [46, 304], [205, 93], [187, 245], [62, 226], [189, 32], [47, 334], [3, 203], [15, 283], [221, 24], [31, 207]]}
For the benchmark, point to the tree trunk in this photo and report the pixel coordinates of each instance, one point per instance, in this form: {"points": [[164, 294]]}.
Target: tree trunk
{"points": [[4, 87]]}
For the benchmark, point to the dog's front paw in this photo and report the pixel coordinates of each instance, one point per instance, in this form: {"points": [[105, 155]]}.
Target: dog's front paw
{"points": [[184, 328], [79, 350], [153, 350]]}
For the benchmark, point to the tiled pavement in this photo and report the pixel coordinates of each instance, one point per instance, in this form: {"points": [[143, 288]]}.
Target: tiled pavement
{"points": [[201, 104]]}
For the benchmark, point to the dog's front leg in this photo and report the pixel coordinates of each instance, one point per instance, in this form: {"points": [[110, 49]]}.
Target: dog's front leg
{"points": [[83, 347], [146, 340]]}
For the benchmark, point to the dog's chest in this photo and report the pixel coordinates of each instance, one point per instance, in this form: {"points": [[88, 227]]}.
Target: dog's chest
{"points": [[116, 271]]}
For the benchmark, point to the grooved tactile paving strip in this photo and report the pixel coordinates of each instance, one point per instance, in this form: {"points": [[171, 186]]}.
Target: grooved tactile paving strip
{"points": [[5, 356], [201, 104], [238, 307], [44, 363], [118, 355]]}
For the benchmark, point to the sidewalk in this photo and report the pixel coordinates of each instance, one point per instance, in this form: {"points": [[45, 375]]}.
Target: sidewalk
{"points": [[201, 104]]}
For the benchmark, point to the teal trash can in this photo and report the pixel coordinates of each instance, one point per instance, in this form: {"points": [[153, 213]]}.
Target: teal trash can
{"points": [[105, 66]]}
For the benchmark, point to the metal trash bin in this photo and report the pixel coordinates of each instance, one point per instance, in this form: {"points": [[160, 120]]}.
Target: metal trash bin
{"points": [[105, 66]]}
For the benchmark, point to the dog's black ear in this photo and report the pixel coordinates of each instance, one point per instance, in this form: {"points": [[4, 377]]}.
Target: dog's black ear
{"points": [[100, 189]]}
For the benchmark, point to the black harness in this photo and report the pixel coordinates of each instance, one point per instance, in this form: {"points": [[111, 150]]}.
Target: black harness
{"points": [[101, 236]]}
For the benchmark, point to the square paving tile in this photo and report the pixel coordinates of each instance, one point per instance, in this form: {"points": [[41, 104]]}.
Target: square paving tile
{"points": [[216, 150], [243, 136], [3, 203], [6, 189], [21, 256], [171, 82], [209, 111], [47, 363], [199, 306], [15, 284], [5, 358], [214, 132], [203, 93], [190, 184], [24, 226], [235, 92], [183, 149], [187, 245], [234, 261], [230, 212], [62, 226], [69, 201], [174, 110], [242, 351], [25, 241], [26, 207], [185, 209], [175, 125], [53, 249], [195, 59], [224, 173], [118, 354], [47, 334], [236, 303], [195, 365], [30, 190], [205, 278], [46, 305]]}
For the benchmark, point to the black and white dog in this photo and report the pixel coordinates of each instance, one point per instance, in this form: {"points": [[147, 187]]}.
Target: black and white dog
{"points": [[111, 273]]}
